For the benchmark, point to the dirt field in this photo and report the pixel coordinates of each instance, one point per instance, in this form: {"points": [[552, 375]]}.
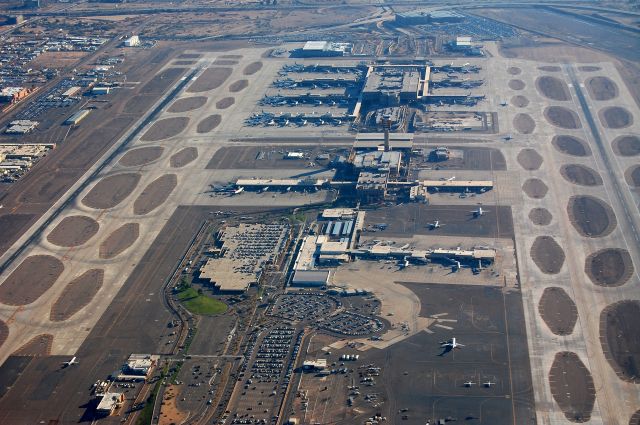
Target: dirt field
{"points": [[562, 117], [190, 56], [119, 240], [529, 159], [627, 146], [184, 63], [165, 128], [4, 332], [553, 88], [111, 190], [39, 346], [635, 418], [519, 101], [210, 79], [517, 85], [524, 124], [615, 117], [77, 294], [572, 387], [558, 311], [32, 278], [590, 216], [620, 337], [514, 70], [609, 267], [155, 194], [183, 157], [162, 81], [571, 146], [139, 104], [601, 88], [141, 156], [632, 175], [581, 175], [238, 86], [540, 216], [535, 188], [188, 104], [169, 413], [73, 231], [47, 186], [225, 62], [224, 103], [252, 68], [209, 123], [589, 68], [12, 225], [547, 254], [550, 68]]}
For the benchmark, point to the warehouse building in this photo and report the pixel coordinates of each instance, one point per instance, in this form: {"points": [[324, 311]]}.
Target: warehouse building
{"points": [[310, 278], [313, 49], [77, 117], [109, 403], [13, 94], [133, 41]]}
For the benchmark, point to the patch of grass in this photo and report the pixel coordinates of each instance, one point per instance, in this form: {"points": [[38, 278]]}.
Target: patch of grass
{"points": [[147, 412], [198, 303]]}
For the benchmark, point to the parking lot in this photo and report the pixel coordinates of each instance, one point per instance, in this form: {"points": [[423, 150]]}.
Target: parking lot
{"points": [[353, 324], [303, 306]]}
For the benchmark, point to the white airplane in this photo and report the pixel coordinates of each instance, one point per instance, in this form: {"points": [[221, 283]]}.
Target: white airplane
{"points": [[265, 189], [450, 179], [452, 344], [479, 212], [469, 383], [436, 225], [71, 362], [238, 191], [508, 137], [488, 384]]}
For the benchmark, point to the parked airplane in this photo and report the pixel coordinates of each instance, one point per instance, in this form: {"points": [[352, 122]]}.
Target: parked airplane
{"points": [[508, 137], [488, 384], [451, 344], [71, 362], [238, 191], [479, 212], [435, 225], [469, 383]]}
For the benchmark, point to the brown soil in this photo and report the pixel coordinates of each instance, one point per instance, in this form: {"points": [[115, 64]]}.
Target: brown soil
{"points": [[588, 68], [141, 156], [540, 216], [252, 68], [626, 146], [239, 85], [209, 123], [187, 104], [615, 117], [558, 311], [224, 103], [581, 175], [4, 332], [112, 190], [524, 124], [231, 56], [562, 117], [163, 129], [620, 338], [571, 146], [591, 216], [162, 81], [550, 68], [519, 101], [32, 278], [609, 267], [553, 88], [535, 188], [73, 231], [12, 225], [190, 56], [516, 85], [139, 104], [183, 157], [547, 254], [119, 240], [572, 387], [169, 412], [184, 63], [225, 62], [601, 88], [76, 295], [39, 346], [529, 159], [514, 70], [632, 175], [155, 194], [210, 79]]}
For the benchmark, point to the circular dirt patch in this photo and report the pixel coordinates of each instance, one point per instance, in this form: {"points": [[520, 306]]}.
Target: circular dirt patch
{"points": [[633, 176], [188, 104], [183, 157], [39, 346], [4, 332], [627, 146], [210, 79], [141, 156], [110, 191], [572, 387], [77, 294], [529, 159], [562, 117], [589, 68], [540, 216], [550, 68], [602, 88], [32, 278], [73, 231], [516, 85], [535, 188], [163, 129], [615, 117], [225, 62], [571, 146], [558, 311], [524, 124], [209, 123], [252, 68], [547, 254], [155, 194], [553, 88], [519, 101], [239, 85], [620, 338], [591, 216], [581, 175], [224, 103], [119, 240], [514, 70], [609, 267]]}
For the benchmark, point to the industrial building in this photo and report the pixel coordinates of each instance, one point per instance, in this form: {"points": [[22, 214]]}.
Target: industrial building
{"points": [[310, 278], [77, 117], [109, 402], [139, 367], [21, 126], [313, 49], [393, 84], [133, 41], [13, 94]]}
